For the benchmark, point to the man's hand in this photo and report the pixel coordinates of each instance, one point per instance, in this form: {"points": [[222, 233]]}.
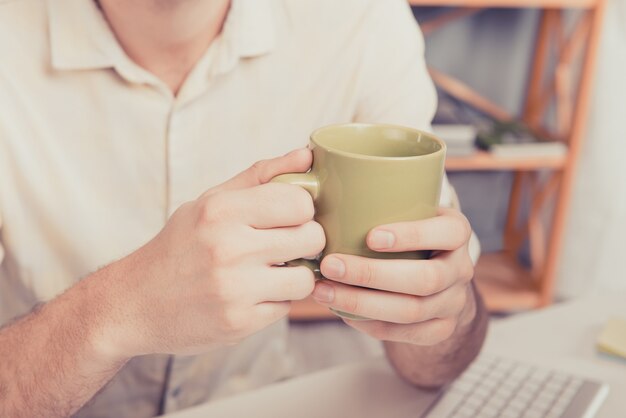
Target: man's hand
{"points": [[210, 277], [415, 301], [413, 304], [207, 279]]}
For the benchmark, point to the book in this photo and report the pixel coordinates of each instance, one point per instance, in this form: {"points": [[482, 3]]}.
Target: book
{"points": [[612, 338], [459, 138], [537, 149], [515, 140]]}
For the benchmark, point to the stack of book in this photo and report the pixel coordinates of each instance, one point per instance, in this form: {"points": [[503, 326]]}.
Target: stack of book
{"points": [[465, 131], [515, 140], [459, 138]]}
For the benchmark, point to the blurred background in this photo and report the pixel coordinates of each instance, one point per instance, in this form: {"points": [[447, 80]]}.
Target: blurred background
{"points": [[493, 51], [531, 108]]}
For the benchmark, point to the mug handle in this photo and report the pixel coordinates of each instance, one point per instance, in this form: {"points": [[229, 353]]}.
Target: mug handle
{"points": [[310, 183]]}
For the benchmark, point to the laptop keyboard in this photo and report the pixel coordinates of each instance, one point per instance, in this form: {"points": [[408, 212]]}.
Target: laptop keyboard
{"points": [[496, 387]]}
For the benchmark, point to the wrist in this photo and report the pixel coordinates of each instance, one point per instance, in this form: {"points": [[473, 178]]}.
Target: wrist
{"points": [[108, 320]]}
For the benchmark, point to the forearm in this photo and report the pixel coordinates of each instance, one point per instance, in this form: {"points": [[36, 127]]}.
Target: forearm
{"points": [[436, 365], [53, 360]]}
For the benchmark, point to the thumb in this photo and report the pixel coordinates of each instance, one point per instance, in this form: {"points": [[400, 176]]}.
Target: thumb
{"points": [[261, 172]]}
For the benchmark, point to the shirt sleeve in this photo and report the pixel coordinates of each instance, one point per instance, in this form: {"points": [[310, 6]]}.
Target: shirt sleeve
{"points": [[395, 85]]}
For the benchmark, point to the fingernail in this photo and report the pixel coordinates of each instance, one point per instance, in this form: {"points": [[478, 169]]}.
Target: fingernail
{"points": [[334, 268], [323, 292], [381, 239]]}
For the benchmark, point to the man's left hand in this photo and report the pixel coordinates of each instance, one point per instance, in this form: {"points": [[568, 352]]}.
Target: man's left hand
{"points": [[411, 301]]}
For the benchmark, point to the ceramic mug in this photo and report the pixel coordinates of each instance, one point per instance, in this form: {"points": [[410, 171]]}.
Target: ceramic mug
{"points": [[366, 175]]}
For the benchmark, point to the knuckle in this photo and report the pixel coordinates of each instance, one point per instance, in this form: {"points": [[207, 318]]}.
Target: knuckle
{"points": [[307, 283], [258, 169], [233, 322], [379, 331], [288, 197], [302, 203], [432, 277], [466, 272], [351, 304], [301, 285], [319, 235], [446, 328], [221, 252], [212, 209], [412, 233], [462, 229], [185, 208], [314, 236], [442, 330], [365, 274]]}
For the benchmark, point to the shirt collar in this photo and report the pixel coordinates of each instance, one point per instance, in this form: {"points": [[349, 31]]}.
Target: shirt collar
{"points": [[80, 37], [255, 27]]}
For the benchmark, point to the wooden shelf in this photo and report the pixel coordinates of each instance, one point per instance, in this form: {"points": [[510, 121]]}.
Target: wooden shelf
{"points": [[544, 4], [505, 285], [483, 160]]}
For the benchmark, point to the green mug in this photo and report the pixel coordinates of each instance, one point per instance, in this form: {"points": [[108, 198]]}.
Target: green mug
{"points": [[366, 175]]}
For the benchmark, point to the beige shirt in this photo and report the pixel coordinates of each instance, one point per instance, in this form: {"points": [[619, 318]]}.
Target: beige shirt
{"points": [[96, 153]]}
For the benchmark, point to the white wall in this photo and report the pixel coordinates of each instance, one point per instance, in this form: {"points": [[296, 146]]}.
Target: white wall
{"points": [[491, 52], [595, 244]]}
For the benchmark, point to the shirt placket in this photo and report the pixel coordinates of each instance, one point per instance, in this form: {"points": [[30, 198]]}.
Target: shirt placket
{"points": [[179, 174]]}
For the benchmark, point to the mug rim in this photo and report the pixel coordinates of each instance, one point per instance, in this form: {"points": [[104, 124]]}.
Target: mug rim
{"points": [[429, 135]]}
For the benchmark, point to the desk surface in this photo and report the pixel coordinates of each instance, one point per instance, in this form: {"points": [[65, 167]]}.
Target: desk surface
{"points": [[560, 337]]}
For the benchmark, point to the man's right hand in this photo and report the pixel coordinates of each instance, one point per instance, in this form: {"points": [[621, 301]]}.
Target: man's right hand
{"points": [[210, 277]]}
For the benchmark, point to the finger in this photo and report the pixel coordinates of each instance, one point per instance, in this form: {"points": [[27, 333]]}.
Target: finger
{"points": [[270, 205], [388, 306], [252, 284], [424, 333], [277, 284], [460, 262], [447, 231], [413, 277], [280, 245], [266, 313], [261, 172], [240, 245]]}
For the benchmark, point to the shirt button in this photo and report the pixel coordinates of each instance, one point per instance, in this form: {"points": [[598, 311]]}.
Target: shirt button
{"points": [[176, 392]]}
